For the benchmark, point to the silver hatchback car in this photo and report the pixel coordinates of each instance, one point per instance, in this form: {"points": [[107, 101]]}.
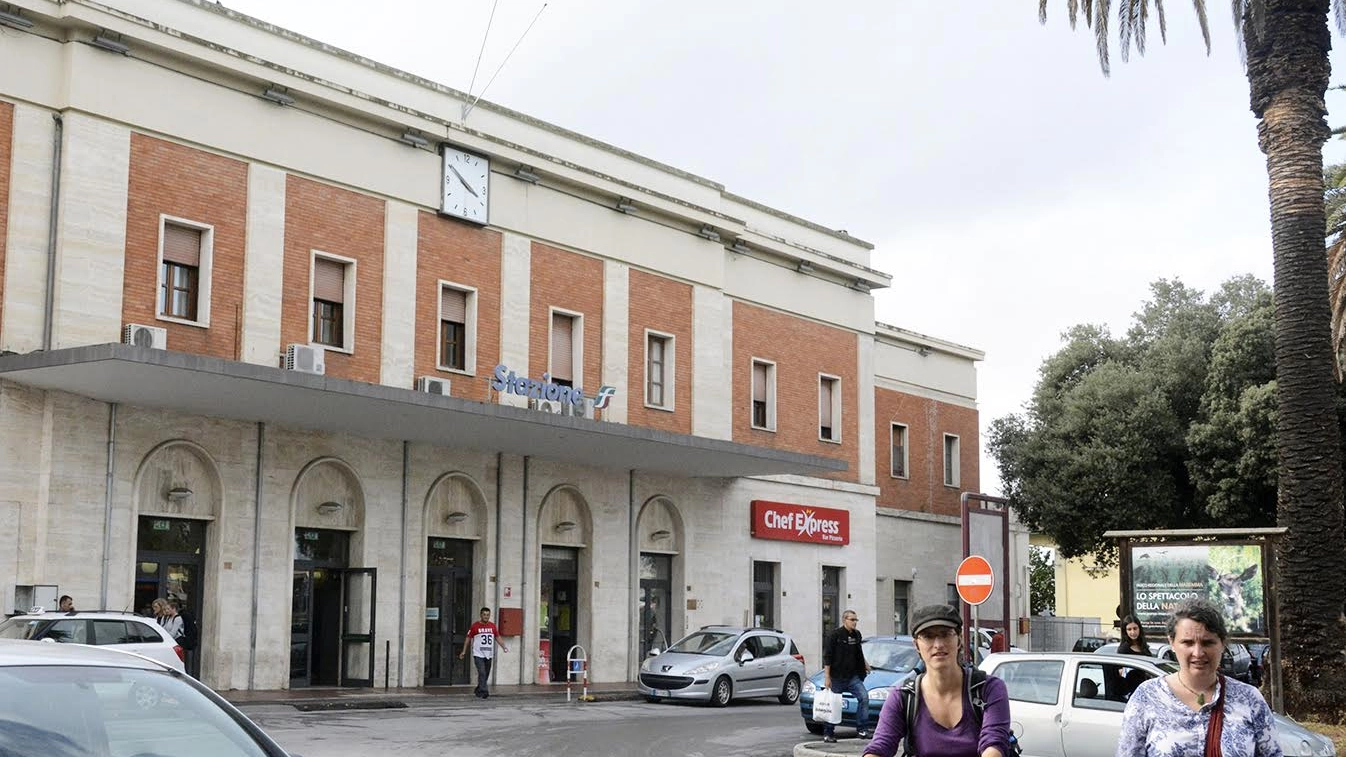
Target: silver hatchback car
{"points": [[719, 663]]}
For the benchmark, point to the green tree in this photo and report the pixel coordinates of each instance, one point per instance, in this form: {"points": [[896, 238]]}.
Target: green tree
{"points": [[1041, 580], [1286, 44]]}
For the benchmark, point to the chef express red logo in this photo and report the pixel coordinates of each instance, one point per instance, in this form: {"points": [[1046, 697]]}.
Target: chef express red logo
{"points": [[818, 525]]}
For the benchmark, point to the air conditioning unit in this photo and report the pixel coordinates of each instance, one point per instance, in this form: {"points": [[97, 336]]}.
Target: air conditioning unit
{"points": [[433, 385], [546, 406], [585, 409], [305, 358], [145, 336]]}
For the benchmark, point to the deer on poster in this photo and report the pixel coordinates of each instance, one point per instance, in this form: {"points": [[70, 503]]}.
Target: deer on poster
{"points": [[1230, 588]]}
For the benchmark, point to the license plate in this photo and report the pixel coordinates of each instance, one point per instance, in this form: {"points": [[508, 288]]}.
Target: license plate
{"points": [[661, 692]]}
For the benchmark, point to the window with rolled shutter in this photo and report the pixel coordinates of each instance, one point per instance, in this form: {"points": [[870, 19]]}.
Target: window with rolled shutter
{"points": [[761, 386], [562, 348], [826, 391], [453, 328], [329, 280], [180, 277], [182, 245]]}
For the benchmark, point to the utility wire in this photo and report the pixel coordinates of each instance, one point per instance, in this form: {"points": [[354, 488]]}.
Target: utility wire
{"points": [[482, 52], [467, 108]]}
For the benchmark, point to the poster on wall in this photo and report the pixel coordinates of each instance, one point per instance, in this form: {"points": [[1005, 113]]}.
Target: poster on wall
{"points": [[1231, 576]]}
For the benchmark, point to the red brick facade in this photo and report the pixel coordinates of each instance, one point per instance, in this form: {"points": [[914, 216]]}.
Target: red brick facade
{"points": [[460, 253], [573, 283], [664, 305], [927, 422], [169, 179], [801, 350], [323, 218], [6, 158]]}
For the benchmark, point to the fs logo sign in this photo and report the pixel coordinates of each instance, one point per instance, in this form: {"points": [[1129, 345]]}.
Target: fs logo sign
{"points": [[787, 522]]}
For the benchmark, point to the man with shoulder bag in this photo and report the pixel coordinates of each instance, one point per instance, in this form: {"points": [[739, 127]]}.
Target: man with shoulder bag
{"points": [[844, 671]]}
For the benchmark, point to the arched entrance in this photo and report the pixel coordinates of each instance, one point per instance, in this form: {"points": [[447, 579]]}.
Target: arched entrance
{"points": [[564, 533], [455, 524]]}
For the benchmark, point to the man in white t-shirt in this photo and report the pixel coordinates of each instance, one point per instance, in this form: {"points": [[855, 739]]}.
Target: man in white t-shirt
{"points": [[482, 637]]}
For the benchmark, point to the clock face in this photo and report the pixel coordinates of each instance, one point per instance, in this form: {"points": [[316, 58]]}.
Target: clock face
{"points": [[467, 182]]}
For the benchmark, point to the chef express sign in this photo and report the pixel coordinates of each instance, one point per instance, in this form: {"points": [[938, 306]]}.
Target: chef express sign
{"points": [[819, 525]]}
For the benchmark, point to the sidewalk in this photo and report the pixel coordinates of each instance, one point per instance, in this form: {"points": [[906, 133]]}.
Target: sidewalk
{"points": [[426, 696]]}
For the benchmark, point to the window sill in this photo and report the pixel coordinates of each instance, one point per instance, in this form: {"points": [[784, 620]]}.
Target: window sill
{"points": [[951, 486], [829, 441], [183, 321], [660, 408], [330, 348], [763, 428], [456, 371], [899, 478]]}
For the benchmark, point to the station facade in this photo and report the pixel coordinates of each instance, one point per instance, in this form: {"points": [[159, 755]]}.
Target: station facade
{"points": [[303, 342]]}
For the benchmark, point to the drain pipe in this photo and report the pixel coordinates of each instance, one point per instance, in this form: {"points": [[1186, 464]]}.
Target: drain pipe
{"points": [[633, 569], [402, 585], [256, 558], [499, 460], [523, 570], [107, 499], [49, 303]]}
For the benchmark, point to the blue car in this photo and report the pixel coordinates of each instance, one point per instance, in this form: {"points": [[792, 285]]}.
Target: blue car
{"points": [[890, 658]]}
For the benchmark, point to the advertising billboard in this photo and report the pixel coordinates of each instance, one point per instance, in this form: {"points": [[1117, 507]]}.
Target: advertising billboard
{"points": [[1229, 575]]}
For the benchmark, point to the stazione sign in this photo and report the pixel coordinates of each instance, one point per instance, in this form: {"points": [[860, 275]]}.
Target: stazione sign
{"points": [[787, 522]]}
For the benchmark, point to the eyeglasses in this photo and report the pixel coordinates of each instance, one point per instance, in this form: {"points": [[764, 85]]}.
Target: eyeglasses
{"points": [[851, 617], [939, 634]]}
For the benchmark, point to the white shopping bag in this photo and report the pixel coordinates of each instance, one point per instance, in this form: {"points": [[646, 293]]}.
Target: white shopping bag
{"points": [[827, 707]]}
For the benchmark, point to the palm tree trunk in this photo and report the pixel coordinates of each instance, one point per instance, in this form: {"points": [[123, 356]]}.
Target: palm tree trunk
{"points": [[1288, 72]]}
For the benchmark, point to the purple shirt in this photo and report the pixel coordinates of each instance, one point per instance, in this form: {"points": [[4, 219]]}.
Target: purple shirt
{"points": [[933, 739]]}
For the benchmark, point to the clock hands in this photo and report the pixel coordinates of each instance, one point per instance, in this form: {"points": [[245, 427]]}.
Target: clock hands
{"points": [[466, 186]]}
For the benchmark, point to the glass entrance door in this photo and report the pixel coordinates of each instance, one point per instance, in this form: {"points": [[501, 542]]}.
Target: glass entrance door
{"points": [[357, 626], [560, 604], [448, 610], [170, 553], [655, 602], [316, 607]]}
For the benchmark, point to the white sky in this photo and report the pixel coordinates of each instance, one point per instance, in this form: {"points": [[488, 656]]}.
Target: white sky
{"points": [[1009, 188]]}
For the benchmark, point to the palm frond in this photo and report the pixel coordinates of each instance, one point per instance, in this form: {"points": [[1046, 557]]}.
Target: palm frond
{"points": [[1100, 22], [1336, 282], [1088, 11], [1126, 25], [1200, 6], [1163, 24], [1140, 26], [1339, 13]]}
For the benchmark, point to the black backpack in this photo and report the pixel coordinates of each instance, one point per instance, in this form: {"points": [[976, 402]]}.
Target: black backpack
{"points": [[189, 632], [975, 680]]}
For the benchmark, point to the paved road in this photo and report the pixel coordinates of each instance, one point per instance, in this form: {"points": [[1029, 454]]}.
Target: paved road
{"points": [[497, 727]]}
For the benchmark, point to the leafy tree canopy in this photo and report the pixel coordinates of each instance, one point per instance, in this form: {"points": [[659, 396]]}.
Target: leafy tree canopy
{"points": [[1169, 426]]}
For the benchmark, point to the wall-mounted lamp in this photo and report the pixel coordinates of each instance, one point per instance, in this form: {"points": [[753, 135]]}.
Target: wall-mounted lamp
{"points": [[804, 267], [327, 508], [178, 494], [566, 525], [457, 516], [414, 138], [740, 246], [625, 206], [923, 351], [105, 42], [15, 20], [707, 232], [524, 173], [860, 285], [277, 96], [660, 535]]}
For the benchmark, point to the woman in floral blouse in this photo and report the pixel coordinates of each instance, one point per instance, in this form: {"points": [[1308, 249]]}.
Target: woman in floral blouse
{"points": [[1197, 711]]}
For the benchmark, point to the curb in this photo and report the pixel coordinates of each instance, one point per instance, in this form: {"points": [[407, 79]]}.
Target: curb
{"points": [[843, 748], [383, 702]]}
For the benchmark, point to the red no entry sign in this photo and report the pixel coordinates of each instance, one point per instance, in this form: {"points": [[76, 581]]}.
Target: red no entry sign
{"points": [[974, 580]]}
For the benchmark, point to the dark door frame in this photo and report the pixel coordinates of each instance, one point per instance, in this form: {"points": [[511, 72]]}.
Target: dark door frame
{"points": [[350, 582]]}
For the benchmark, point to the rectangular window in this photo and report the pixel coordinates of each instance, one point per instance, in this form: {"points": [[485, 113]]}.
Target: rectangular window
{"points": [[899, 441], [659, 357], [330, 280], [455, 339], [950, 460], [829, 408], [184, 271], [764, 594], [566, 339], [764, 395], [831, 599], [901, 606]]}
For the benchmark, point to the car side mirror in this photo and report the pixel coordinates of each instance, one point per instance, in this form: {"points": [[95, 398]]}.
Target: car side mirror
{"points": [[745, 656], [654, 652]]}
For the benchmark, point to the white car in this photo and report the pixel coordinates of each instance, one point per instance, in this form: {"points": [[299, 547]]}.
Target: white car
{"points": [[1069, 704], [123, 631], [69, 699]]}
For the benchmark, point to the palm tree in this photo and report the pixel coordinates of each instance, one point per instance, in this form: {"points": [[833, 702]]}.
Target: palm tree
{"points": [[1286, 43]]}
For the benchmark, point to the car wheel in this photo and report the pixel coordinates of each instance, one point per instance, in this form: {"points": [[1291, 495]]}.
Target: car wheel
{"points": [[790, 694], [144, 697], [814, 728], [722, 692], [652, 700]]}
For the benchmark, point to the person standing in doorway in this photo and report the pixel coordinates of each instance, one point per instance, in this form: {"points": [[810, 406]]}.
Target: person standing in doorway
{"points": [[67, 603], [844, 670], [483, 636]]}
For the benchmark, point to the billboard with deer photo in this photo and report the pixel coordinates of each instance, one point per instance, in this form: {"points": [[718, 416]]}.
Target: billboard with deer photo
{"points": [[1229, 575]]}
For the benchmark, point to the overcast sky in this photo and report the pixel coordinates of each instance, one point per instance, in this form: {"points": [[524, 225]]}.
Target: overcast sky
{"points": [[1010, 189]]}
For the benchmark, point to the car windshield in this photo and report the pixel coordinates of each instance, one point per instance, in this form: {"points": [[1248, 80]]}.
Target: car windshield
{"points": [[889, 654], [83, 711], [716, 643], [16, 628]]}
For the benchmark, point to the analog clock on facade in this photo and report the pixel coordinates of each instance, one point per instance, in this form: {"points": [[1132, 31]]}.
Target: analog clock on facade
{"points": [[467, 183]]}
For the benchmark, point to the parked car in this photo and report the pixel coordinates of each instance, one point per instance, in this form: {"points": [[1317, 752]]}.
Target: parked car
{"points": [[984, 637], [119, 630], [1088, 643], [890, 658], [721, 663], [1235, 663], [69, 699], [1065, 704]]}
